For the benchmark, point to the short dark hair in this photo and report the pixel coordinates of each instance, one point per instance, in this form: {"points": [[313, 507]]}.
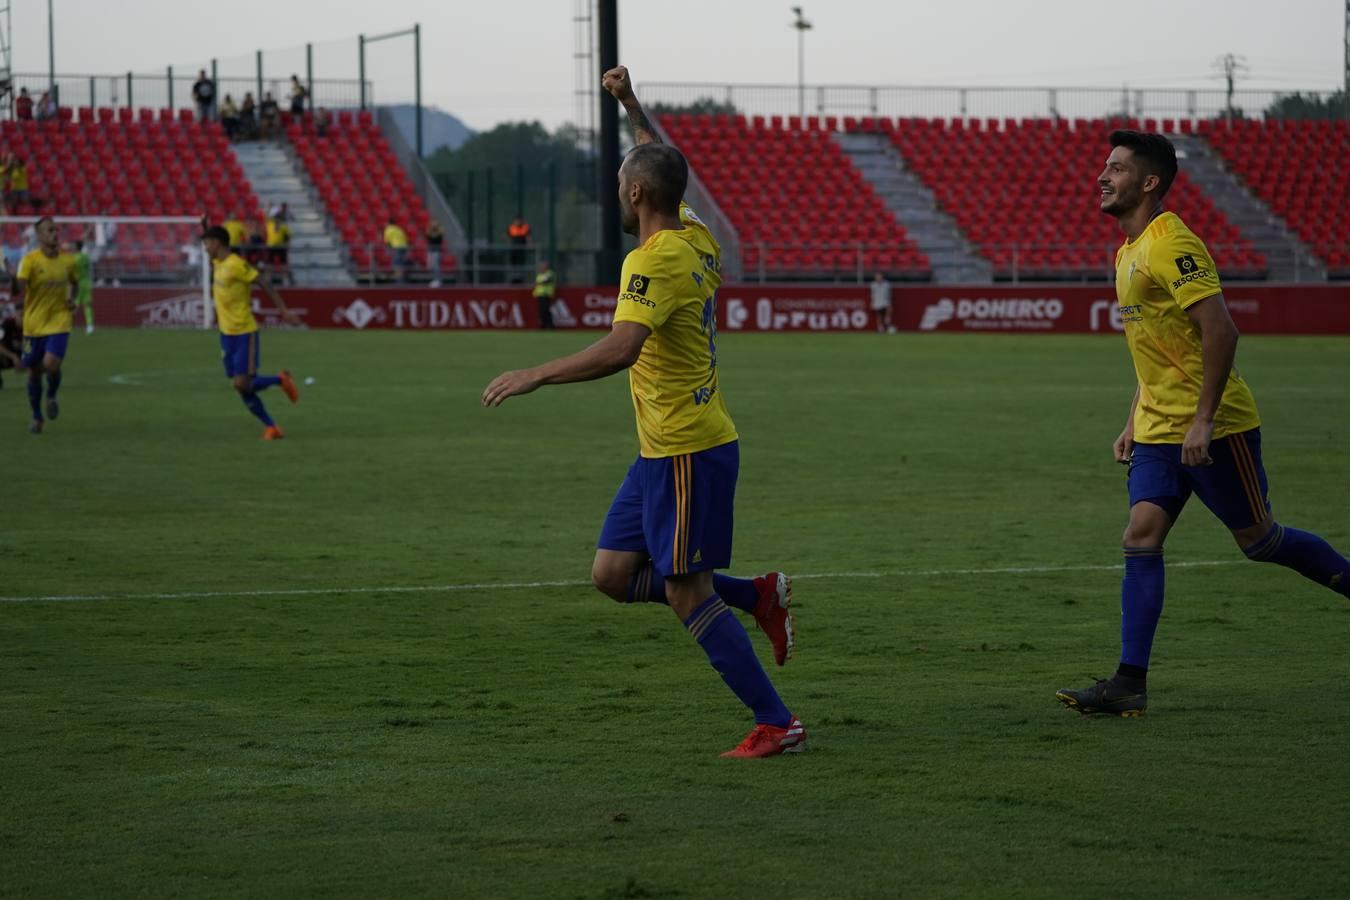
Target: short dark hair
{"points": [[663, 172], [1156, 152], [217, 232], [38, 223]]}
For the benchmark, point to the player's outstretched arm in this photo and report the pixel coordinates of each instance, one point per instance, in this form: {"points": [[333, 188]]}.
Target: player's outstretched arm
{"points": [[271, 292], [617, 82], [614, 352]]}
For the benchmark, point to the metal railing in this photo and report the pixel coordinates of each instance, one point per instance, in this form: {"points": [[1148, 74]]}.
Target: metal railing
{"points": [[162, 91], [966, 102]]}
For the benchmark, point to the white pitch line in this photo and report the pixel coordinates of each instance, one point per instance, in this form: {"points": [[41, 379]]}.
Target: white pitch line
{"points": [[527, 585]]}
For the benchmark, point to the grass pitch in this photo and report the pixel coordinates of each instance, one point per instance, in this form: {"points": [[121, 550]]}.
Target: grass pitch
{"points": [[291, 686]]}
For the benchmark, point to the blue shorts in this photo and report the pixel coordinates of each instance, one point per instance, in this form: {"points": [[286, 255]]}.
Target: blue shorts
{"points": [[677, 510], [34, 348], [239, 353], [1234, 487]]}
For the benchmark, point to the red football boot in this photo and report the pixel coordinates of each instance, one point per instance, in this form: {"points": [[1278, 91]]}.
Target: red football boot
{"points": [[773, 615], [770, 740]]}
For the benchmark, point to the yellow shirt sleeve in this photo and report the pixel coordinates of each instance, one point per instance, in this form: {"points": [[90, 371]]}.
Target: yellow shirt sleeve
{"points": [[241, 270], [1181, 265], [25, 267], [646, 295]]}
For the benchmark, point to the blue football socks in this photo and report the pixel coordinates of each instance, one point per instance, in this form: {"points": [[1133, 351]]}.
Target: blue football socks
{"points": [[1141, 604], [53, 384], [649, 586], [255, 406], [1305, 553], [723, 638], [35, 398], [737, 592], [263, 382]]}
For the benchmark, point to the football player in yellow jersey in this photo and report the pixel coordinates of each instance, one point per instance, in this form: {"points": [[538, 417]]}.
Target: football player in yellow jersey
{"points": [[47, 281], [670, 525], [232, 281], [1192, 426]]}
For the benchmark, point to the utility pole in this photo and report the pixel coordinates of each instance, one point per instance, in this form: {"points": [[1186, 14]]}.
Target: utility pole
{"points": [[1232, 65], [1345, 87], [804, 26], [611, 223]]}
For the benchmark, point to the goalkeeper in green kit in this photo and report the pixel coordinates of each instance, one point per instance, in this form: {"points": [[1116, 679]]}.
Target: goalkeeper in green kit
{"points": [[84, 296]]}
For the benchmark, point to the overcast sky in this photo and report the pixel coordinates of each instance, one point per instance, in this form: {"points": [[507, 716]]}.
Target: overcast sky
{"points": [[513, 59]]}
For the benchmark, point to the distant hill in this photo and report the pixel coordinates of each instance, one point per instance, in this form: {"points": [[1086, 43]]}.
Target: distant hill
{"points": [[439, 129]]}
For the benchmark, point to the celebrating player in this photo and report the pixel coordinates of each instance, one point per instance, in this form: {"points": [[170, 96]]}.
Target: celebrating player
{"points": [[232, 281], [45, 282], [1193, 425], [670, 525]]}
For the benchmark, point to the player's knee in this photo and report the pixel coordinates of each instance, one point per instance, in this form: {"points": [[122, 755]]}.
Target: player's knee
{"points": [[52, 365], [610, 582], [241, 384], [1250, 537], [1142, 534]]}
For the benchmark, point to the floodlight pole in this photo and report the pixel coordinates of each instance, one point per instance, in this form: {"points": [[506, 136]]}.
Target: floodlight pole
{"points": [[611, 222], [803, 26], [416, 32], [51, 49]]}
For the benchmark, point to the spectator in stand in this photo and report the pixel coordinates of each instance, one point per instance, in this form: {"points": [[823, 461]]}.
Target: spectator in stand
{"points": [[518, 234], [204, 94], [23, 105], [269, 116], [237, 230], [881, 303], [396, 239], [279, 244], [545, 286], [105, 235], [322, 122], [16, 183], [256, 250], [435, 237], [298, 96], [229, 117], [248, 118], [46, 107]]}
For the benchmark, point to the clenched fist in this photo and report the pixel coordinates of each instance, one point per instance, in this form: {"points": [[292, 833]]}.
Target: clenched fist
{"points": [[617, 82]]}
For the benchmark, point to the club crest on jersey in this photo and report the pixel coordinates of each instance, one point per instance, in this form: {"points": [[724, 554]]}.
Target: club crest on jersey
{"points": [[1134, 267], [638, 284]]}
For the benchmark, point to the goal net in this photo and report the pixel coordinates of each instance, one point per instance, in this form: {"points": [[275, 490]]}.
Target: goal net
{"points": [[141, 250]]}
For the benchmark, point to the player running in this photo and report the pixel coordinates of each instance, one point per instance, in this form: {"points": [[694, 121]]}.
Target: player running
{"points": [[232, 281], [45, 284], [1193, 425], [670, 525]]}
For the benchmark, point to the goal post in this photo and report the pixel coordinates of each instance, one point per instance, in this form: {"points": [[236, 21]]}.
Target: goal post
{"points": [[141, 249]]}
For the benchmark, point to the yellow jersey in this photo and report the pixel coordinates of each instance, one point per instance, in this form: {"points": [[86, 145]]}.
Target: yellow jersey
{"points": [[46, 296], [395, 238], [18, 178], [278, 233], [669, 284], [236, 230], [232, 290], [1161, 274]]}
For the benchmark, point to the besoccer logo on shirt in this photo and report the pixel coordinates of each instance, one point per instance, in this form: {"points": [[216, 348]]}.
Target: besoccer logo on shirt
{"points": [[1186, 264], [638, 285]]}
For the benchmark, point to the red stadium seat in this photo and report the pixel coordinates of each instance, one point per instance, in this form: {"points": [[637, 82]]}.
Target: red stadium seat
{"points": [[817, 215]]}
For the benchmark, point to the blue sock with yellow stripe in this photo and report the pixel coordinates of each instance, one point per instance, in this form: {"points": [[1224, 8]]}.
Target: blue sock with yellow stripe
{"points": [[35, 398], [723, 638], [255, 406], [1141, 604], [263, 382], [1305, 553], [649, 586]]}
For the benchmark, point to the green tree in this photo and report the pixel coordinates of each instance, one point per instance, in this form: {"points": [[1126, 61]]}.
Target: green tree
{"points": [[1309, 106], [517, 155], [703, 106]]}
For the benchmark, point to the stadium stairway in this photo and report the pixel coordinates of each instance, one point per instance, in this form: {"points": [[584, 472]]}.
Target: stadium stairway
{"points": [[1288, 257], [953, 259], [275, 176]]}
